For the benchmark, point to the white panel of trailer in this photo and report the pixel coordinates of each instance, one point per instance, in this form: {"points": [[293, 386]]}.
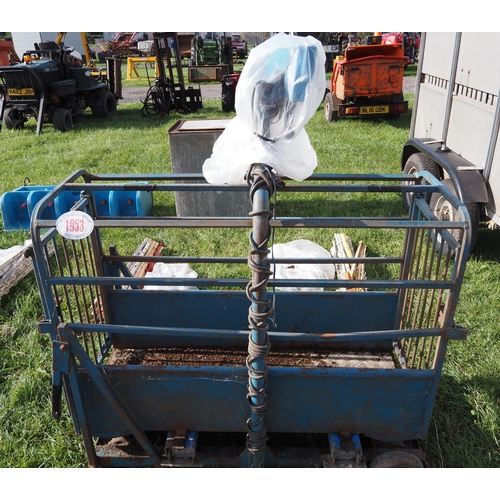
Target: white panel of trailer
{"points": [[475, 101], [440, 45]]}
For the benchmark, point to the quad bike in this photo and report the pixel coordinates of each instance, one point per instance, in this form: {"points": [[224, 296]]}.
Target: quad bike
{"points": [[52, 86]]}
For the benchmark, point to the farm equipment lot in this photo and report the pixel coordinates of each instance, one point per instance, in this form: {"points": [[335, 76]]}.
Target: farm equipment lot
{"points": [[464, 429]]}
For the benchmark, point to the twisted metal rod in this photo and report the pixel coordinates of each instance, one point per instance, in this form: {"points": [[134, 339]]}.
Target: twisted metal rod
{"points": [[262, 186]]}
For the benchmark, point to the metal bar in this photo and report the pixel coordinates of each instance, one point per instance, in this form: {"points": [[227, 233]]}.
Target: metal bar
{"points": [[244, 260], [220, 333], [91, 177], [289, 222], [451, 89], [291, 188], [237, 282], [260, 311], [109, 393], [492, 144], [81, 418], [416, 96]]}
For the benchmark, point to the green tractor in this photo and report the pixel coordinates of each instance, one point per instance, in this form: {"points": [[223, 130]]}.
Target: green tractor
{"points": [[53, 86], [212, 49]]}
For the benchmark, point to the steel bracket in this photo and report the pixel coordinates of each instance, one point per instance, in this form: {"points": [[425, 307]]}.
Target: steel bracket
{"points": [[345, 452], [180, 446], [60, 356]]}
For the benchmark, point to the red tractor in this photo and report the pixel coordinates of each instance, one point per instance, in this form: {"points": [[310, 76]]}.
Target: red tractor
{"points": [[240, 47]]}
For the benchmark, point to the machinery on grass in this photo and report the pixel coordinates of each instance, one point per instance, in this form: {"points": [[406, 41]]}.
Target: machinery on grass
{"points": [[211, 57], [367, 81], [8, 54], [52, 85], [228, 90], [211, 49], [169, 92], [123, 44], [409, 39], [240, 46], [334, 44]]}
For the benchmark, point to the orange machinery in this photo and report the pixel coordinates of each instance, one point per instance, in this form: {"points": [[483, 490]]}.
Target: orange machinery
{"points": [[8, 55], [367, 80]]}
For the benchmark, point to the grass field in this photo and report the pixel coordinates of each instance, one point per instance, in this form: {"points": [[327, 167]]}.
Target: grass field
{"points": [[465, 427]]}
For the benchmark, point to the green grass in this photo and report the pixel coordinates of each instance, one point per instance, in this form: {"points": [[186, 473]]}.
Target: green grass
{"points": [[464, 431]]}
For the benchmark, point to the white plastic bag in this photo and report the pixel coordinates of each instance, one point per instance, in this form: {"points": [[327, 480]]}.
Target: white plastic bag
{"points": [[301, 249], [162, 270], [7, 253], [279, 90]]}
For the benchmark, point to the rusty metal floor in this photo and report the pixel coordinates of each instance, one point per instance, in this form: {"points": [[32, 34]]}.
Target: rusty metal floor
{"points": [[217, 357]]}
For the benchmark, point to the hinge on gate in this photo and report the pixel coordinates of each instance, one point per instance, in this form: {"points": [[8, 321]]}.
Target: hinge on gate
{"points": [[180, 446], [345, 451]]}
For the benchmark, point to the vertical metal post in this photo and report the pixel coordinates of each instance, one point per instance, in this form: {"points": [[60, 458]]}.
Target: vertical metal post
{"points": [[259, 312], [451, 88]]}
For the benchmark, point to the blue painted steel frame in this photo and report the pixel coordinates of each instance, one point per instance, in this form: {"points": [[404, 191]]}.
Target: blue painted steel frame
{"points": [[112, 400]]}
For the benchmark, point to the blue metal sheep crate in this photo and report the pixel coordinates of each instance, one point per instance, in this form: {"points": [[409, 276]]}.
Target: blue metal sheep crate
{"points": [[204, 377]]}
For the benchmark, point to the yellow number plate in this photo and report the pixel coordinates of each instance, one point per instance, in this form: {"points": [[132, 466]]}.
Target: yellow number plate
{"points": [[21, 92], [373, 110]]}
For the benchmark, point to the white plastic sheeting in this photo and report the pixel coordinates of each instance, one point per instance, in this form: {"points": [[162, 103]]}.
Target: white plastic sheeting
{"points": [[279, 90], [301, 249]]}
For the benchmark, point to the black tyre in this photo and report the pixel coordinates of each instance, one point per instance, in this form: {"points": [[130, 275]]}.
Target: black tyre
{"points": [[396, 459], [106, 105], [62, 119], [331, 114], [416, 163], [228, 97], [13, 119], [445, 211]]}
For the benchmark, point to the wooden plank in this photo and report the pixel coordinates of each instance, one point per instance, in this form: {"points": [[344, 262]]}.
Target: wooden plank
{"points": [[16, 268]]}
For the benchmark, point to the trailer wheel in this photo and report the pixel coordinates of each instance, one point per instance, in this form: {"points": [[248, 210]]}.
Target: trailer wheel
{"points": [[62, 120], [331, 115], [396, 459], [13, 119], [416, 163], [444, 211], [107, 105]]}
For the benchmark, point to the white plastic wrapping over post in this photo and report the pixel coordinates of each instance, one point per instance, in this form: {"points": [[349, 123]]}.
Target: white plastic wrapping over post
{"points": [[280, 89]]}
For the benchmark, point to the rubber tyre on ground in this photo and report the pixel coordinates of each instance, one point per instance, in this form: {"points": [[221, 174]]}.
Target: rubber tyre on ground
{"points": [[13, 119], [331, 115], [228, 98], [62, 120], [396, 459], [444, 211], [107, 105], [416, 163]]}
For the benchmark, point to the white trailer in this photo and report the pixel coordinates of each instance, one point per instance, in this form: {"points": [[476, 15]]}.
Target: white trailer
{"points": [[455, 122]]}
